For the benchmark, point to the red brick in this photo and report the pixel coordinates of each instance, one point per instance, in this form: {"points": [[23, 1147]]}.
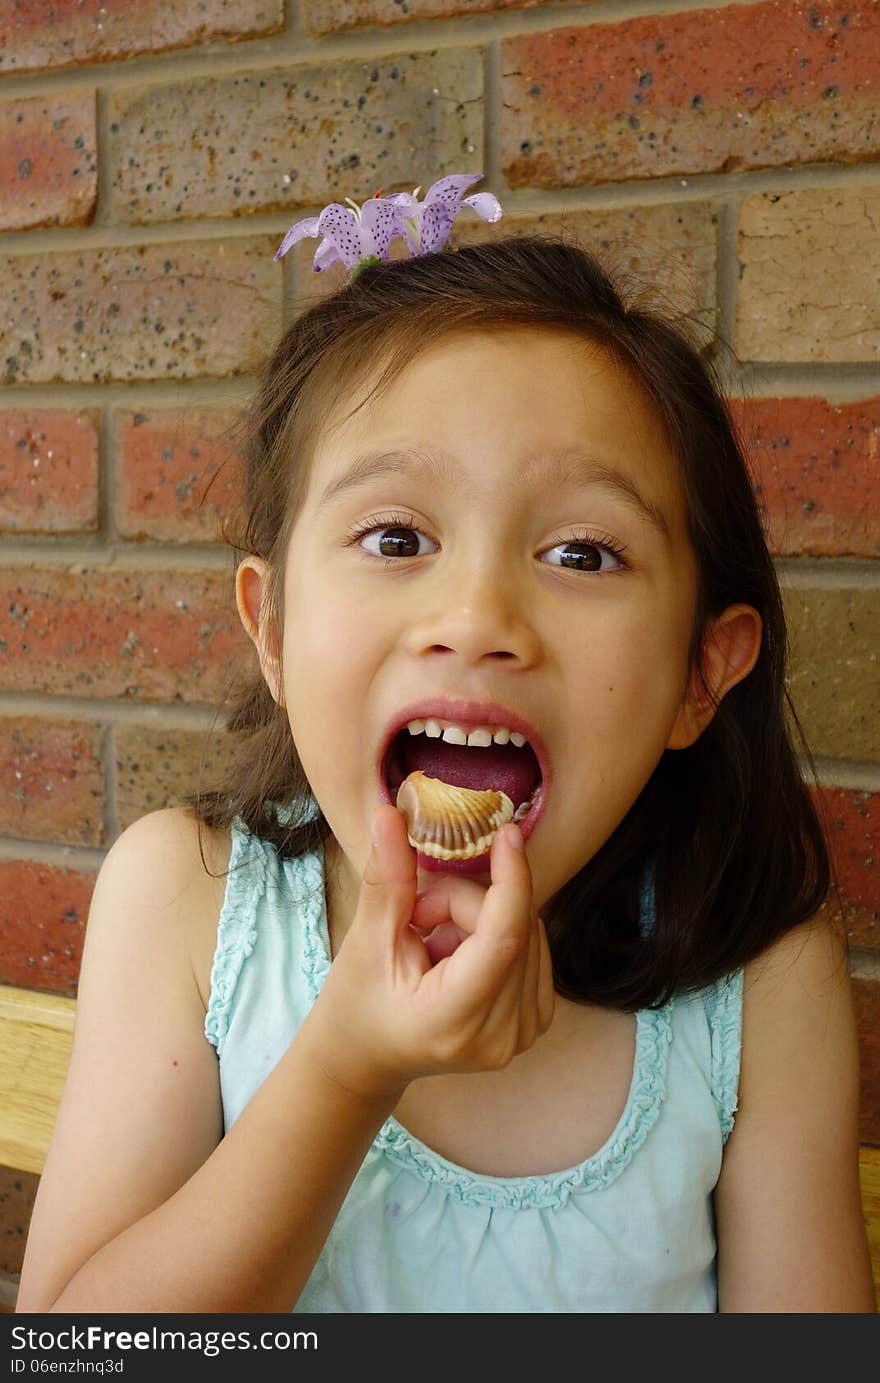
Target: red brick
{"points": [[48, 472], [810, 275], [271, 141], [48, 161], [34, 34], [744, 86], [143, 312], [101, 631], [51, 780], [179, 473], [867, 1002], [43, 915], [17, 1192], [851, 822], [817, 471], [157, 768], [338, 16]]}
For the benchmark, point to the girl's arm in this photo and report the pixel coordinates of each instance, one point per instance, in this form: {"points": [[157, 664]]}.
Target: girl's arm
{"points": [[791, 1233], [141, 1206]]}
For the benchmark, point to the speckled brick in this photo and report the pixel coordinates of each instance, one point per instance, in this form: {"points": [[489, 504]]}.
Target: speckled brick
{"points": [[714, 90], [156, 768], [817, 470], [269, 141], [867, 1002], [338, 16], [851, 822], [34, 34], [98, 631], [835, 638], [666, 254], [51, 780], [180, 473], [48, 161], [43, 913], [810, 277], [144, 312], [17, 1192], [48, 471], [8, 1293]]}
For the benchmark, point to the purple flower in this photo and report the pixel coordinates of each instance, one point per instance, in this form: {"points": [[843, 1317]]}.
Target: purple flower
{"points": [[359, 235], [426, 225]]}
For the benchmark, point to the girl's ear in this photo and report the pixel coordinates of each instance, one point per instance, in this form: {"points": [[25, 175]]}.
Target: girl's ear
{"points": [[730, 650], [251, 584]]}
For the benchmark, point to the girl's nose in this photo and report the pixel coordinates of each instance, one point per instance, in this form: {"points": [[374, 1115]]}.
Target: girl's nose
{"points": [[476, 617]]}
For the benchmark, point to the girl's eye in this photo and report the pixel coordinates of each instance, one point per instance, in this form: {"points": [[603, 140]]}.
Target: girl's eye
{"points": [[584, 552], [396, 536]]}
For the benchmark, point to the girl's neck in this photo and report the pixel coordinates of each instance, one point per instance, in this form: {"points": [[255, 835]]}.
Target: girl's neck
{"points": [[340, 893]]}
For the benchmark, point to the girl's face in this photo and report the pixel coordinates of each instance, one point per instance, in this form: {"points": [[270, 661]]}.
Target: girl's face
{"points": [[507, 588]]}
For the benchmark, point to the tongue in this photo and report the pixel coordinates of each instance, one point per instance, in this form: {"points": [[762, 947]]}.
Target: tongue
{"points": [[503, 767]]}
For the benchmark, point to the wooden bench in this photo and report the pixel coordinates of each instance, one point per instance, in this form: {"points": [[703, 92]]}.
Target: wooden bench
{"points": [[36, 1031]]}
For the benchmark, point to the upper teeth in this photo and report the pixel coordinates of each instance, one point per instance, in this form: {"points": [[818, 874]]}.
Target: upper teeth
{"points": [[481, 738]]}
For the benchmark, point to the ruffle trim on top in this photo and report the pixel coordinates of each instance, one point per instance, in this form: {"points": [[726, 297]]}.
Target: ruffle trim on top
{"points": [[315, 936], [647, 1091], [646, 1094], [723, 1003], [236, 927]]}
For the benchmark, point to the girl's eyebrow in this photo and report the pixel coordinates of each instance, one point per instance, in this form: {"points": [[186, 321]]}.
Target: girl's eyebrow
{"points": [[560, 468]]}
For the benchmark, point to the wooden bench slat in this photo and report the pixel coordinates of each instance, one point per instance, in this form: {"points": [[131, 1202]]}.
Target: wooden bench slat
{"points": [[36, 1035]]}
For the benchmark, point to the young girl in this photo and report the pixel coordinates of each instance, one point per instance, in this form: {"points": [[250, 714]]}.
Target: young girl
{"points": [[351, 1039]]}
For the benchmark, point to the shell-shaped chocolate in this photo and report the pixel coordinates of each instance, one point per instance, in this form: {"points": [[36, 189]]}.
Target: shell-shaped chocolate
{"points": [[450, 822]]}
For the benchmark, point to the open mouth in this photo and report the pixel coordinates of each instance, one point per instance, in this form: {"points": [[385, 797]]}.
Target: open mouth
{"points": [[455, 829]]}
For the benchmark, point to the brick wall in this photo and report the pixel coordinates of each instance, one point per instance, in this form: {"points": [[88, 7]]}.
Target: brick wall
{"points": [[151, 157]]}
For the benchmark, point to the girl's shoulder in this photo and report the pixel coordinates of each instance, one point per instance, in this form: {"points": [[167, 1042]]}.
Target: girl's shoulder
{"points": [[182, 862]]}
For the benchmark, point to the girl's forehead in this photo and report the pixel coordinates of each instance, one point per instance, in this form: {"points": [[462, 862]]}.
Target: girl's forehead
{"points": [[543, 412], [526, 378]]}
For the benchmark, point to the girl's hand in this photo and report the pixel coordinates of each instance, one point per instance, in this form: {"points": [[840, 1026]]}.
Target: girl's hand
{"points": [[388, 1013]]}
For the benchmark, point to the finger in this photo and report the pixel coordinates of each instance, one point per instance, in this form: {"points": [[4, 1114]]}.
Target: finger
{"points": [[388, 887], [486, 959], [449, 900]]}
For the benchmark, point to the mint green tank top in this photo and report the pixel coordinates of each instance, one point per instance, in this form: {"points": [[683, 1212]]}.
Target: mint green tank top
{"points": [[631, 1229]]}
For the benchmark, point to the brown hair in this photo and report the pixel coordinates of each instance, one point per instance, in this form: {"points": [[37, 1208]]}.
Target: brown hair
{"points": [[727, 826]]}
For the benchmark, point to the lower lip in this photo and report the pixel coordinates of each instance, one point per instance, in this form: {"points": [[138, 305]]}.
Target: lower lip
{"points": [[479, 865]]}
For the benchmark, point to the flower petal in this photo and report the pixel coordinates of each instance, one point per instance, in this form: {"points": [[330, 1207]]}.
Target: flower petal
{"points": [[298, 231], [342, 228], [382, 218], [449, 191], [325, 255], [406, 201], [485, 205], [435, 223]]}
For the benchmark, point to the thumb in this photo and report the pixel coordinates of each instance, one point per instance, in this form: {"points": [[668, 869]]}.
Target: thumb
{"points": [[388, 886]]}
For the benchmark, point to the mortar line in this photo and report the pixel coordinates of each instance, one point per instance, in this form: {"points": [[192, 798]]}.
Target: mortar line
{"points": [[671, 189], [850, 382], [109, 760], [103, 710], [492, 119]]}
